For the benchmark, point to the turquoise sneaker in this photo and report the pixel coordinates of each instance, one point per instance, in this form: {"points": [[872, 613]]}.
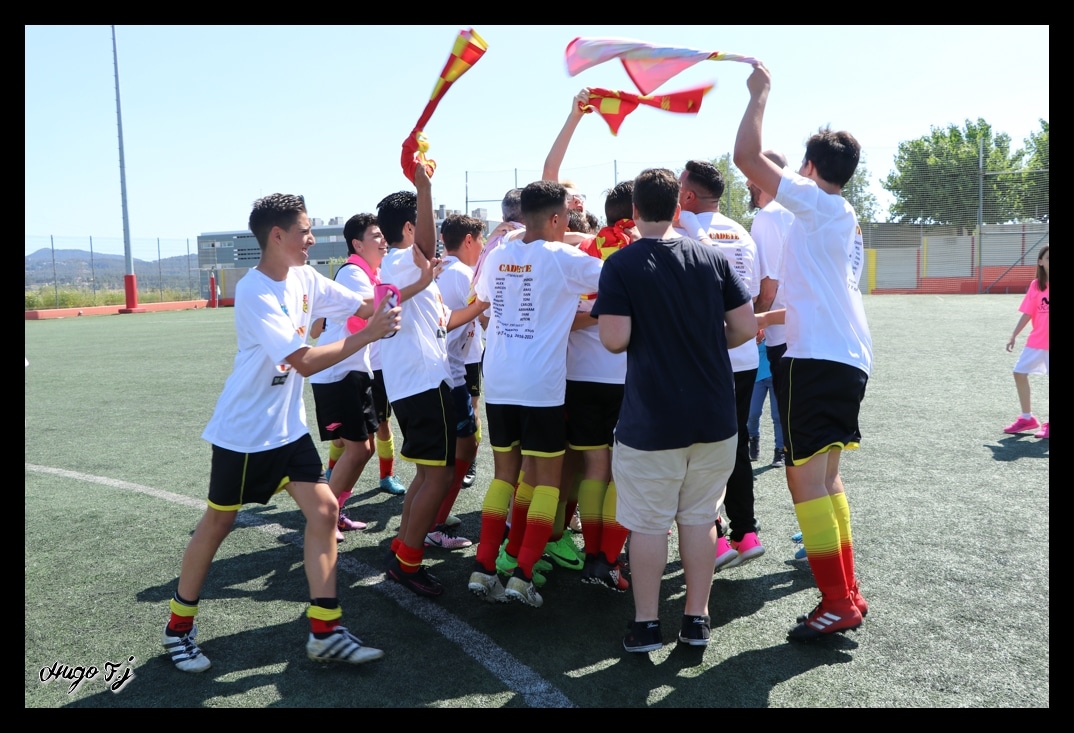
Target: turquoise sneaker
{"points": [[392, 485]]}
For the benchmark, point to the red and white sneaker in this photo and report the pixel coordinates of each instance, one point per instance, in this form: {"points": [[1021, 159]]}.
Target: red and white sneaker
{"points": [[827, 618], [859, 600], [1022, 425]]}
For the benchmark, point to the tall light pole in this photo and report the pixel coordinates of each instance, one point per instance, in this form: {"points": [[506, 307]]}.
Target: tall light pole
{"points": [[130, 282]]}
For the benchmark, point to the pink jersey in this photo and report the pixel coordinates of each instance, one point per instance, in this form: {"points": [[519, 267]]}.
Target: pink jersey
{"points": [[1035, 305]]}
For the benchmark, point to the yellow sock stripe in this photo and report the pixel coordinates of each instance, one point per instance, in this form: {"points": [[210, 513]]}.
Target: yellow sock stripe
{"points": [[335, 451], [608, 509], [591, 494], [842, 516], [544, 503], [386, 448], [324, 614], [524, 493], [497, 498], [181, 609], [820, 531]]}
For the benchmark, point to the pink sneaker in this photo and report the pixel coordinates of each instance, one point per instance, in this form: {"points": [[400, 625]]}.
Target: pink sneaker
{"points": [[1043, 432], [1022, 425], [725, 554], [748, 548]]}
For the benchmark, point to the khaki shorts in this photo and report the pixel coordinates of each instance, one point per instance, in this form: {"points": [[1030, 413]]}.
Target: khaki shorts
{"points": [[683, 485]]}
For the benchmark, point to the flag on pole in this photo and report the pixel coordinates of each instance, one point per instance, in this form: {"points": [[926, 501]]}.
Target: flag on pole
{"points": [[468, 49], [647, 65], [614, 106]]}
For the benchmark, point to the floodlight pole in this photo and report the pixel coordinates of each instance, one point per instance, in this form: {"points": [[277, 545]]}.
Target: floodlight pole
{"points": [[130, 282]]}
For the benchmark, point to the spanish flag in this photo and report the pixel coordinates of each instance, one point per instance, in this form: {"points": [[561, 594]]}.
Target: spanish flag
{"points": [[468, 49], [614, 106]]}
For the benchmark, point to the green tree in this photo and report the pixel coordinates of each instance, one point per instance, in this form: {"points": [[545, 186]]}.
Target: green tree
{"points": [[1036, 197], [937, 177], [735, 202], [858, 195]]}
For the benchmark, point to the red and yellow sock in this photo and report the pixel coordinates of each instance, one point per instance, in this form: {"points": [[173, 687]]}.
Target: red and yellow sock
{"points": [[493, 521], [820, 536], [846, 542], [324, 615], [613, 534], [409, 557], [591, 493], [538, 527], [520, 509], [182, 618], [386, 455], [334, 453]]}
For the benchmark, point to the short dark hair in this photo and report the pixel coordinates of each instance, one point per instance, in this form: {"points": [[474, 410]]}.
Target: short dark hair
{"points": [[577, 222], [542, 196], [356, 227], [592, 220], [619, 202], [456, 227], [705, 175], [656, 194], [394, 211], [834, 154], [275, 210], [511, 206]]}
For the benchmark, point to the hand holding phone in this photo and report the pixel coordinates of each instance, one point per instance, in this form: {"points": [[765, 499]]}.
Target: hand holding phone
{"points": [[389, 291]]}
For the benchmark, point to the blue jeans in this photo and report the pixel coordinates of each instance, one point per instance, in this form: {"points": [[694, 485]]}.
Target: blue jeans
{"points": [[761, 389]]}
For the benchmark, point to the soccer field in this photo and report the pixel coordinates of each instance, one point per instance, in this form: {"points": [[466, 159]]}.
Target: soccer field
{"points": [[950, 518]]}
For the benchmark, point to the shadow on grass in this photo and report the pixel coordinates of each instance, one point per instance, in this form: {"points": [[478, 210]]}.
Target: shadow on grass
{"points": [[1015, 447], [270, 661], [744, 680]]}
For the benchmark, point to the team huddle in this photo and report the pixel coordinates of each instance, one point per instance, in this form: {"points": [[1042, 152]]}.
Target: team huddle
{"points": [[616, 369]]}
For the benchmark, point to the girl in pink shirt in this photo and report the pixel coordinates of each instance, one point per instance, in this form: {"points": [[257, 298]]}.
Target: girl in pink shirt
{"points": [[1034, 357]]}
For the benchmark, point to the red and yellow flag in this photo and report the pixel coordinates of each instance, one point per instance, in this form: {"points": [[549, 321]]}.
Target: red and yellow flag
{"points": [[468, 49], [614, 106]]}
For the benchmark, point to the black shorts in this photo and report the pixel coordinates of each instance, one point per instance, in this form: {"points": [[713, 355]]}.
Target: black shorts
{"points": [[345, 408], [254, 478], [539, 431], [592, 412], [473, 378], [427, 420], [465, 422], [380, 398], [819, 401]]}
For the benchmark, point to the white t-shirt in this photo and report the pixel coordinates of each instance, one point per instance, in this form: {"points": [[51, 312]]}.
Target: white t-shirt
{"points": [[353, 278], [740, 250], [822, 264], [261, 406], [533, 291], [454, 282], [769, 230], [415, 359]]}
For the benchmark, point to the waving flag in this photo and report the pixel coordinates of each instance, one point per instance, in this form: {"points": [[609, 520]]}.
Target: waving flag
{"points": [[614, 106], [647, 65], [468, 49]]}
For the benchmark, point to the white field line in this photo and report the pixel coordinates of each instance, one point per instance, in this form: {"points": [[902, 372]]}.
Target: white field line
{"points": [[516, 676]]}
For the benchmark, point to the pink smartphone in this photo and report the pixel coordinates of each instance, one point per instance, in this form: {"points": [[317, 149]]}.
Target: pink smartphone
{"points": [[386, 290]]}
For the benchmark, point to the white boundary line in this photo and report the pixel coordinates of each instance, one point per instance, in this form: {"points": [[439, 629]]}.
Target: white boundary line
{"points": [[516, 676]]}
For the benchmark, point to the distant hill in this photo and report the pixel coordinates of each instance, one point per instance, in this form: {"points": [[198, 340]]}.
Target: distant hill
{"points": [[74, 268]]}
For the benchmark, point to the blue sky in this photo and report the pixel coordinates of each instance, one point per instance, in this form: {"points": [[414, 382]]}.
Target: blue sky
{"points": [[217, 116]]}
